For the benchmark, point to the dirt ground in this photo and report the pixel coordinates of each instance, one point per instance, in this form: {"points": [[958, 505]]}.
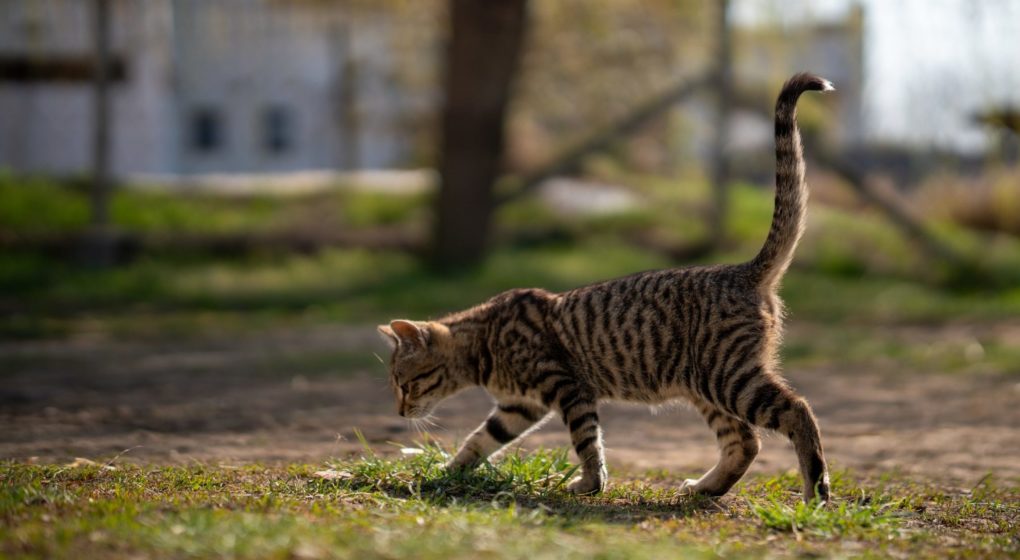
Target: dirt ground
{"points": [[261, 398]]}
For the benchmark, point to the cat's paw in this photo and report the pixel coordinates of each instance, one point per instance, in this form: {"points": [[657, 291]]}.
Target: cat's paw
{"points": [[584, 486], [702, 487], [819, 494], [689, 487], [456, 466]]}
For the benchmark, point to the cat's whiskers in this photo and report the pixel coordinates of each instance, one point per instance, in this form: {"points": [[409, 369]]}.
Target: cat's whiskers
{"points": [[416, 424], [431, 422], [423, 424]]}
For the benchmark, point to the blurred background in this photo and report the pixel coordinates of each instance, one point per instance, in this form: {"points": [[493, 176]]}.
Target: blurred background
{"points": [[206, 204]]}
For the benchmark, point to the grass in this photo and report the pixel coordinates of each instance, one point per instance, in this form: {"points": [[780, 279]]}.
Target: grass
{"points": [[854, 276], [407, 507], [818, 519], [850, 289], [968, 349], [852, 265], [858, 319], [31, 206]]}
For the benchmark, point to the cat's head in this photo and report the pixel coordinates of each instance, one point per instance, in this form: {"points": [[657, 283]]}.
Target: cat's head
{"points": [[422, 368]]}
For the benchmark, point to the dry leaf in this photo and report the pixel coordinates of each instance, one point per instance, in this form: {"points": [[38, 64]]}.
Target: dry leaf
{"points": [[83, 462], [330, 474]]}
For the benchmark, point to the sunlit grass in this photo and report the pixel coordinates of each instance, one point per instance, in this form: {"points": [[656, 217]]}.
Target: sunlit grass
{"points": [[816, 518], [38, 206], [408, 507], [365, 286], [892, 348], [853, 266]]}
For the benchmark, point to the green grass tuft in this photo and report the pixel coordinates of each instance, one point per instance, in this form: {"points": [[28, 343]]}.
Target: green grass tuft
{"points": [[826, 520]]}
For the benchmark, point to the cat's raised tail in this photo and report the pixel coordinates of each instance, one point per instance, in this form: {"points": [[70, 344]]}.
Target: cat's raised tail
{"points": [[791, 188]]}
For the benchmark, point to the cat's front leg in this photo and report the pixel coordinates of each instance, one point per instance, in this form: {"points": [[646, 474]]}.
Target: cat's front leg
{"points": [[506, 423], [580, 414]]}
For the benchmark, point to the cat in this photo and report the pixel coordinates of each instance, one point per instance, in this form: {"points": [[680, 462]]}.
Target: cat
{"points": [[708, 334]]}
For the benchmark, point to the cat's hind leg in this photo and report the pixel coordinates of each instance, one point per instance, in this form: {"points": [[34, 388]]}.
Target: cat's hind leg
{"points": [[506, 423], [738, 446], [765, 400]]}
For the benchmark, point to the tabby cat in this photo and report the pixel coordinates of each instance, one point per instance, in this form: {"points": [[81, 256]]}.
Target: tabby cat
{"points": [[706, 334]]}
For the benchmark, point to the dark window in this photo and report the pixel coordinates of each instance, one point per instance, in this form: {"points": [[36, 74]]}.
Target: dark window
{"points": [[206, 130], [277, 129]]}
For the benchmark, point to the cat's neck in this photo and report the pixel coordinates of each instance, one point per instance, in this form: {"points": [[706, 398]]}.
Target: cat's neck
{"points": [[468, 347]]}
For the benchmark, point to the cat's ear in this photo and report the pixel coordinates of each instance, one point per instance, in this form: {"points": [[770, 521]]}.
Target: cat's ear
{"points": [[388, 335], [410, 333]]}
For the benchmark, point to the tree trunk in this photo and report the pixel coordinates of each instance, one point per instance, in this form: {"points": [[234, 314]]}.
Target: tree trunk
{"points": [[481, 61], [720, 168]]}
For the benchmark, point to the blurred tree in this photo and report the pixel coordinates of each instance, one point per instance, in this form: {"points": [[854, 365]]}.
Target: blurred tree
{"points": [[481, 61], [571, 160], [590, 65], [585, 67]]}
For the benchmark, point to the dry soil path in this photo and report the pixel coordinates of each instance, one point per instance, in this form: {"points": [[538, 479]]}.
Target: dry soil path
{"points": [[251, 399]]}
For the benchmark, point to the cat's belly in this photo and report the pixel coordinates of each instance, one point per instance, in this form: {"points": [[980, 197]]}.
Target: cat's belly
{"points": [[675, 394], [638, 385]]}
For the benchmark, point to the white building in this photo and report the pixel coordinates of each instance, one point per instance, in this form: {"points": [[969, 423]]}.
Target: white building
{"points": [[204, 86]]}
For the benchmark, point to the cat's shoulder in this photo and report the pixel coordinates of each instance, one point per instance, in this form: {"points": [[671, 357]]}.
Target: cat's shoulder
{"points": [[519, 296]]}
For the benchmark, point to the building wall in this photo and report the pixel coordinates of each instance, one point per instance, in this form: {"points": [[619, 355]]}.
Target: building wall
{"points": [[272, 75], [47, 125]]}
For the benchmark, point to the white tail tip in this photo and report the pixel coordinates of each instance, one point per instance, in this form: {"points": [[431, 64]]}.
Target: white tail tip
{"points": [[827, 86]]}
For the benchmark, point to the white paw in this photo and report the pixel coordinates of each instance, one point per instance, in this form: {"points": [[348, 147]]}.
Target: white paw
{"points": [[583, 486], [689, 486]]}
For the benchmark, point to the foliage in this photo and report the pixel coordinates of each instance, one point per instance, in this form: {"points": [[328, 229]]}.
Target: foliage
{"points": [[990, 202], [589, 63]]}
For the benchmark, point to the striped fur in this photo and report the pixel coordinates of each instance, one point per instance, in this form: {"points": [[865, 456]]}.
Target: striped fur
{"points": [[705, 334]]}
